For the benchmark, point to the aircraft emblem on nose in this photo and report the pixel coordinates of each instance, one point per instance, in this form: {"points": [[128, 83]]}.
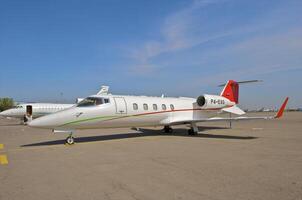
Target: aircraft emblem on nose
{"points": [[79, 114]]}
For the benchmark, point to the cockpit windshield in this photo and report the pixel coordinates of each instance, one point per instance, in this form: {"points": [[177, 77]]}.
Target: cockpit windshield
{"points": [[92, 101], [17, 106]]}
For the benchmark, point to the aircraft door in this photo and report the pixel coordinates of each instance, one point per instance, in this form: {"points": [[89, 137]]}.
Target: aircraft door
{"points": [[29, 113], [29, 110], [120, 105]]}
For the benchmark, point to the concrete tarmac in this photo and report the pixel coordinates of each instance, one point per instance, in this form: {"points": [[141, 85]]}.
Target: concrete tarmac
{"points": [[253, 160]]}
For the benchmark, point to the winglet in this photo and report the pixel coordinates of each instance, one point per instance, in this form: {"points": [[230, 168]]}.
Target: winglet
{"points": [[282, 108]]}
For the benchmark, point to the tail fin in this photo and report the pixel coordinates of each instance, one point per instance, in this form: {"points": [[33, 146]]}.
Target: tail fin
{"points": [[231, 91]]}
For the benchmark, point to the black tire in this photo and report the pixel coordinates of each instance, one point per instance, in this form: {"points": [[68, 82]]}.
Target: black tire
{"points": [[70, 140], [168, 129], [191, 132]]}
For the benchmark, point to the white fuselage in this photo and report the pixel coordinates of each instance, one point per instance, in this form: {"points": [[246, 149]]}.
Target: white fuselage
{"points": [[38, 109], [128, 111]]}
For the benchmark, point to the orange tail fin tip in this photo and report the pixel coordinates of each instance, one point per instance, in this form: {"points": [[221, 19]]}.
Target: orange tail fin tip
{"points": [[231, 91]]}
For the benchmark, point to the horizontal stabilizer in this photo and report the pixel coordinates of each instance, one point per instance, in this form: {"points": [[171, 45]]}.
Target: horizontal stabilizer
{"points": [[242, 82], [234, 109]]}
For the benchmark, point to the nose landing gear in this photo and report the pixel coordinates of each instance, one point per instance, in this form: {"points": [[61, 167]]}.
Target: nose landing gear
{"points": [[70, 140]]}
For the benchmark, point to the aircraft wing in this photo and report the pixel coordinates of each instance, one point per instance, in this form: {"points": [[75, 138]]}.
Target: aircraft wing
{"points": [[217, 119], [214, 119], [235, 110]]}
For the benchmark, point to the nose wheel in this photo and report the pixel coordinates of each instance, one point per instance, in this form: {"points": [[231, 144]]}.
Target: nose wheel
{"points": [[70, 140]]}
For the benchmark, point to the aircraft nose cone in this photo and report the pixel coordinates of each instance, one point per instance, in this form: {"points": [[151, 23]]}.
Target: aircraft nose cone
{"points": [[38, 123], [33, 123], [42, 122], [4, 113], [52, 121]]}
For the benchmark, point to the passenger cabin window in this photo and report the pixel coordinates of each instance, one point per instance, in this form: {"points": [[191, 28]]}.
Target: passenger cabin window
{"points": [[172, 106], [163, 106], [135, 106], [92, 101], [145, 106], [154, 107]]}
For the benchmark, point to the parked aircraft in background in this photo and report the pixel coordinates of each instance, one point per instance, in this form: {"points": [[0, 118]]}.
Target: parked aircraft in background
{"points": [[114, 111], [34, 109]]}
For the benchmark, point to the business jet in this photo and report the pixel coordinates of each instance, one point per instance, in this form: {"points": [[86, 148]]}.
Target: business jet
{"points": [[34, 109], [116, 111]]}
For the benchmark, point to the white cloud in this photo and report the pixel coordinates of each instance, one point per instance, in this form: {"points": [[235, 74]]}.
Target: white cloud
{"points": [[260, 56], [261, 42], [177, 33]]}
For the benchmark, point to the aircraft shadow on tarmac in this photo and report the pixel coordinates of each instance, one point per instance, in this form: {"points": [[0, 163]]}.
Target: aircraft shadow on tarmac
{"points": [[12, 124], [144, 133]]}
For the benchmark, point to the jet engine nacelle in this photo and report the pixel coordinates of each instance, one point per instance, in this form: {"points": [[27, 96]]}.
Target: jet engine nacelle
{"points": [[213, 102]]}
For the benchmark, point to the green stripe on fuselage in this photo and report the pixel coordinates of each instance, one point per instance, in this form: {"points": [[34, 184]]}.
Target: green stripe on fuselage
{"points": [[94, 118], [108, 118]]}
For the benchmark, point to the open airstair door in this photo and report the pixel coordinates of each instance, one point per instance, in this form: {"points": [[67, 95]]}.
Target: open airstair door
{"points": [[29, 110], [29, 114]]}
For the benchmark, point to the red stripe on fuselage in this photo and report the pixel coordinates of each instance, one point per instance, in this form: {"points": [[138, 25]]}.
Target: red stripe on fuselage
{"points": [[178, 110]]}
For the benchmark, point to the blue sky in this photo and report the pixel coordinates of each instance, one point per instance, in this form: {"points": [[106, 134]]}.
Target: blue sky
{"points": [[179, 48]]}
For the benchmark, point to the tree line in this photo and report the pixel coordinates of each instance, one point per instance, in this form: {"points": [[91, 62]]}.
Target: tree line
{"points": [[6, 103]]}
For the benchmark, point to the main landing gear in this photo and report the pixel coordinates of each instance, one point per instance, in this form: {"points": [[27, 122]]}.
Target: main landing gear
{"points": [[193, 130], [168, 129]]}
